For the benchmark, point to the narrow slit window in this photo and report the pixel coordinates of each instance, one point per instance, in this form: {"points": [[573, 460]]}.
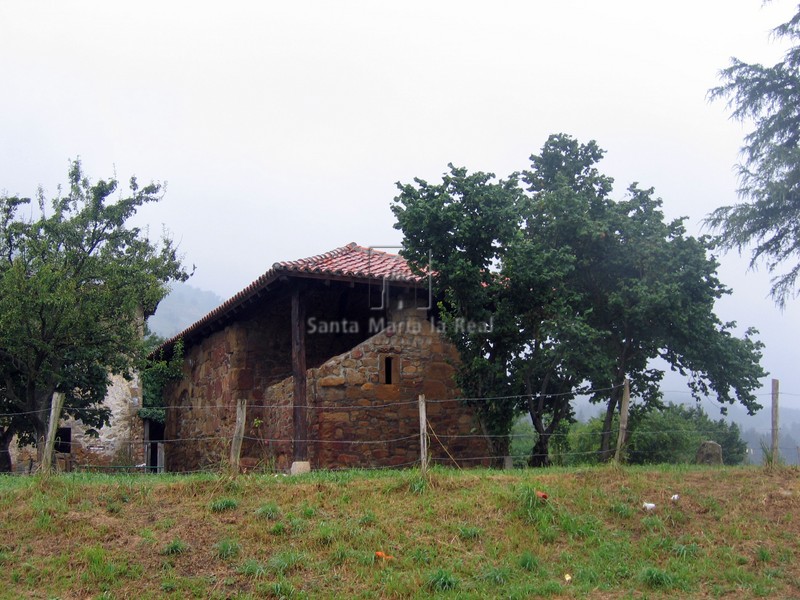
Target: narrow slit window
{"points": [[387, 370]]}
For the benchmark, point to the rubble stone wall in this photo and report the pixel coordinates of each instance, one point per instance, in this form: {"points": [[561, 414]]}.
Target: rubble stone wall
{"points": [[242, 361], [357, 420], [355, 416], [117, 444]]}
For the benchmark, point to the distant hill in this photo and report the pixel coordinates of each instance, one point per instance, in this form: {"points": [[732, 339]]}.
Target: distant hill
{"points": [[183, 306]]}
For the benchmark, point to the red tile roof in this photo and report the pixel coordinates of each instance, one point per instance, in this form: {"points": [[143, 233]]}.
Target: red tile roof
{"points": [[354, 261], [350, 262]]}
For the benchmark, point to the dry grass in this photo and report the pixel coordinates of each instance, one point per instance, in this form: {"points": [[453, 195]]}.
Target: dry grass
{"points": [[733, 533]]}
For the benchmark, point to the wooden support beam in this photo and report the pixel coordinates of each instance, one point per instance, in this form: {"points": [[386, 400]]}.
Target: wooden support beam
{"points": [[299, 373]]}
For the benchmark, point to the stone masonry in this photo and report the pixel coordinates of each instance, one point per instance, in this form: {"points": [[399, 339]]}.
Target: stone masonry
{"points": [[117, 444], [355, 418], [340, 317], [358, 419], [242, 361]]}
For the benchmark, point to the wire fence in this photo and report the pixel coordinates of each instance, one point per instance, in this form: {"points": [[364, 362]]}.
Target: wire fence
{"points": [[397, 441]]}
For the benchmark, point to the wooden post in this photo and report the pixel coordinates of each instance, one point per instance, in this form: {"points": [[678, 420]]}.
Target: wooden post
{"points": [[238, 435], [623, 419], [52, 427], [160, 457], [299, 374], [775, 394], [423, 435]]}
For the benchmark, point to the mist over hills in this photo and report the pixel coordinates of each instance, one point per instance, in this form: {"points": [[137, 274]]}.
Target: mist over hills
{"points": [[184, 305]]}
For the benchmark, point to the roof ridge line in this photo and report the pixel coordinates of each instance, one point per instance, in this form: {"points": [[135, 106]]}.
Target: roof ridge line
{"points": [[329, 254], [374, 249]]}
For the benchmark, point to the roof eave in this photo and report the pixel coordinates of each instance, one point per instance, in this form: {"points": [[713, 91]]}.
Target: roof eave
{"points": [[257, 288]]}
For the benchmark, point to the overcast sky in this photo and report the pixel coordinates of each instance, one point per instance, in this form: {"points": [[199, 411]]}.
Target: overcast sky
{"points": [[281, 128]]}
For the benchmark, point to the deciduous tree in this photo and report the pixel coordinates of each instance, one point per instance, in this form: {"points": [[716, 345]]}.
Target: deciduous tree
{"points": [[75, 282], [464, 226], [583, 291]]}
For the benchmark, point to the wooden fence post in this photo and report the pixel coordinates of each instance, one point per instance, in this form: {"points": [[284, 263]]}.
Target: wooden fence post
{"points": [[52, 427], [423, 435], [775, 446], [623, 419], [160, 457], [238, 435]]}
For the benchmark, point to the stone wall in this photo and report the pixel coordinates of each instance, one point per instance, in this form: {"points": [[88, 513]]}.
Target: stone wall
{"points": [[270, 429], [117, 444], [357, 419], [242, 361], [200, 409]]}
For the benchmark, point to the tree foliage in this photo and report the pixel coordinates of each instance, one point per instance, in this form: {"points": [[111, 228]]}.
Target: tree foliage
{"points": [[768, 217], [76, 281], [671, 435], [156, 374], [582, 291], [465, 223]]}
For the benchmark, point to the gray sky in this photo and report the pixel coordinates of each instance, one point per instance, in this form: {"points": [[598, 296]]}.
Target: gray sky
{"points": [[281, 128]]}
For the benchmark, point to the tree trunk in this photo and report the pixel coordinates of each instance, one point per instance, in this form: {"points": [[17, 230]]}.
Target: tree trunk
{"points": [[5, 452], [606, 452], [540, 454], [40, 433], [607, 438], [39, 407], [499, 447]]}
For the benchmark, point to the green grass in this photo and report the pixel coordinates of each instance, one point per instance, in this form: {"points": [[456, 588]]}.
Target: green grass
{"points": [[223, 504], [442, 580], [269, 511], [285, 561], [175, 546], [253, 568], [227, 549], [278, 529], [468, 532], [528, 561], [364, 534]]}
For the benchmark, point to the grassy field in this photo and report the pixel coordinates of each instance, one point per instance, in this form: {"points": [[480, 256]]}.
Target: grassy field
{"points": [[733, 533]]}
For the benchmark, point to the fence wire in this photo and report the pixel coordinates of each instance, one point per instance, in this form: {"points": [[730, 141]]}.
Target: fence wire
{"points": [[439, 439]]}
